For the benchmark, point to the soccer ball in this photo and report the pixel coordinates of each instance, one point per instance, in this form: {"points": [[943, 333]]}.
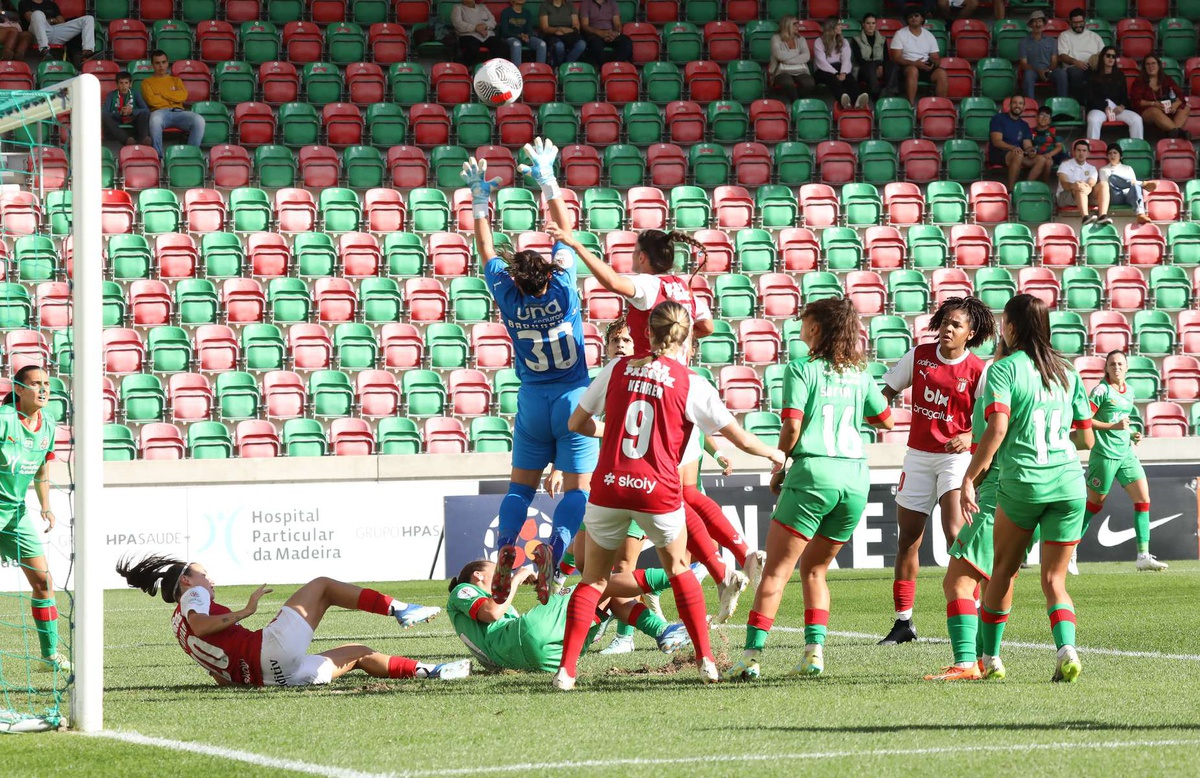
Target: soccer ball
{"points": [[498, 82]]}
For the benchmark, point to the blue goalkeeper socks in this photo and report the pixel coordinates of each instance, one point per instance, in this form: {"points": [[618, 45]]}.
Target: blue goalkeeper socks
{"points": [[514, 510], [567, 518]]}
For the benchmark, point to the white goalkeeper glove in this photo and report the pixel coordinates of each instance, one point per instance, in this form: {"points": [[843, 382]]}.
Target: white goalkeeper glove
{"points": [[542, 153], [474, 174]]}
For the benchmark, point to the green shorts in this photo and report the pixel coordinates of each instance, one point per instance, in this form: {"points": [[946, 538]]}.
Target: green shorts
{"points": [[823, 496], [634, 532], [541, 634], [19, 539], [974, 543], [1102, 471], [1060, 520]]}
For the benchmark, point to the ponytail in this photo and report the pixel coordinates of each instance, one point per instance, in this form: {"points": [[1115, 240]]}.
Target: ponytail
{"points": [[670, 327], [1030, 320], [469, 570], [154, 573]]}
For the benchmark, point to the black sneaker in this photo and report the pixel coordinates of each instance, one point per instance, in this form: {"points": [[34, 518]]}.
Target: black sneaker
{"points": [[903, 631], [1105, 220]]}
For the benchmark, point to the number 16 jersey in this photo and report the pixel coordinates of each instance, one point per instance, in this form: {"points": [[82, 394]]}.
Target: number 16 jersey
{"points": [[546, 331], [832, 405]]}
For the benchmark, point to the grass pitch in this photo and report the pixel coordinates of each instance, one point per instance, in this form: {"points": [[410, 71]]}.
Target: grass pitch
{"points": [[1133, 711]]}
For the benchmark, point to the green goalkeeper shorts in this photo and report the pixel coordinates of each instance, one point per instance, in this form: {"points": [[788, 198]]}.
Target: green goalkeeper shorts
{"points": [[823, 496], [541, 634], [1102, 471], [19, 539]]}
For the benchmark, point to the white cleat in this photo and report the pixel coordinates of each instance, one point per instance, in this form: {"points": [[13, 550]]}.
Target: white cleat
{"points": [[993, 669], [416, 614], [708, 671], [729, 591], [1073, 565], [452, 671], [1068, 668], [621, 644], [755, 561], [1148, 562], [562, 681], [813, 662], [673, 638], [654, 603], [604, 625], [56, 663]]}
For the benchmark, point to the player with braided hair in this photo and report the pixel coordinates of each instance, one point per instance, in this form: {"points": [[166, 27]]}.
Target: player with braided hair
{"points": [[944, 376]]}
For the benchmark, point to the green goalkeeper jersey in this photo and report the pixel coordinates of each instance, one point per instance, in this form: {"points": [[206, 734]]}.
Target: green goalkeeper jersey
{"points": [[1037, 458], [1109, 405], [497, 644], [833, 405], [22, 453]]}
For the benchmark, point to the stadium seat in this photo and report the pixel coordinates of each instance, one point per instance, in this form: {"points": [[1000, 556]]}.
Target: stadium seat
{"points": [[734, 208], [685, 122], [1166, 420], [1082, 289], [890, 337], [818, 205], [1109, 331], [903, 203], [740, 388], [990, 202], [1189, 332], [866, 290], [908, 291], [836, 162], [950, 282], [728, 121], [842, 248], [579, 82], [759, 341], [1154, 332], [169, 349], [1041, 283]]}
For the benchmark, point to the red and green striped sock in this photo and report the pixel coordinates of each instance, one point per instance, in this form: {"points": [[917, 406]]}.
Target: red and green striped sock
{"points": [[45, 620], [1141, 526], [816, 624], [652, 581], [962, 622], [645, 620], [1062, 624], [991, 627], [757, 628], [1090, 510]]}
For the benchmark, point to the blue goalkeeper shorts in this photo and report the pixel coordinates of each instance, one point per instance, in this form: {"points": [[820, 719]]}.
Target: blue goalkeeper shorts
{"points": [[540, 434]]}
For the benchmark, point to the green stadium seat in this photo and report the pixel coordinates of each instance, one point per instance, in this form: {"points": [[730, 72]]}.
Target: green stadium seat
{"points": [[997, 78], [890, 336], [736, 297], [812, 120], [331, 393], [363, 166], [386, 124], [381, 300], [773, 376], [209, 440], [1068, 334], [314, 254], [709, 164], [159, 211], [118, 443], [663, 82], [1154, 333], [559, 123], [446, 345], [861, 205], [690, 206], [185, 166], [405, 254], [1101, 244], [114, 304], [129, 257], [430, 210], [894, 119], [879, 160], [1183, 241], [35, 257], [263, 346], [174, 37], [260, 42], [322, 83], [217, 126], [424, 393], [796, 347], [995, 286], [143, 398], [625, 165], [908, 291], [398, 435], [1066, 113], [408, 83], [947, 202], [112, 10], [755, 251], [275, 166], [758, 39], [108, 168], [340, 210], [579, 83], [964, 160], [1102, 26], [284, 11], [776, 206], [604, 209], [54, 72], [196, 301], [63, 349], [842, 248], [289, 300], [250, 209], [505, 386], [235, 82], [490, 434], [299, 124], [1082, 289], [818, 285], [1143, 378], [1014, 245], [765, 425], [347, 43], [473, 124], [517, 210], [1032, 202], [745, 81], [470, 299], [719, 348], [169, 349], [1007, 35], [976, 115], [1139, 155], [728, 121], [1177, 37], [682, 42], [793, 163], [1170, 288], [304, 438], [58, 211]]}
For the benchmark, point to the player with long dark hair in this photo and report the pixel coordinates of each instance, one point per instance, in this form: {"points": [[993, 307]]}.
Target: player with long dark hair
{"points": [[1034, 404], [276, 655], [539, 305], [27, 445], [649, 404], [944, 376], [827, 397]]}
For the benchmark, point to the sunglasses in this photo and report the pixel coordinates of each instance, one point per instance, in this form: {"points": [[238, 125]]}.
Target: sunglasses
{"points": [[1110, 56]]}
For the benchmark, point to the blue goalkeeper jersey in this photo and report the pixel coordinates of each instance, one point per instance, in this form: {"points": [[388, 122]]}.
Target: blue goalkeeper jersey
{"points": [[547, 331]]}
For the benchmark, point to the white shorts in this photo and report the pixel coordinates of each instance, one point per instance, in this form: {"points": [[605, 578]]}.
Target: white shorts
{"points": [[610, 526], [693, 450], [285, 657], [927, 476]]}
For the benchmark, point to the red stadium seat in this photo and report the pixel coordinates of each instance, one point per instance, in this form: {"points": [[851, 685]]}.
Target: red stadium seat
{"points": [[734, 207], [885, 248], [269, 255], [702, 292], [110, 400], [972, 39], [343, 123], [216, 41], [570, 199], [377, 394], [53, 305], [770, 122], [284, 394], [718, 254], [460, 205], [799, 249], [256, 439], [402, 345], [600, 122], [661, 11], [593, 345], [430, 125], [204, 210], [1178, 159], [243, 300], [279, 82], [383, 210], [295, 209], [751, 164], [1136, 37], [388, 42], [618, 249], [920, 160], [600, 304], [1152, 10], [646, 40], [196, 78], [445, 436], [667, 164], [740, 11], [15, 75], [723, 40], [818, 205], [1145, 244], [141, 167], [852, 123], [867, 291], [1189, 332], [685, 122], [48, 168], [191, 397], [960, 77], [647, 208], [836, 162], [217, 348], [158, 440], [950, 282], [360, 254], [230, 166], [541, 85], [320, 167], [335, 300], [21, 212], [351, 438], [580, 165], [492, 346], [103, 69], [255, 124], [621, 81], [177, 256], [427, 299], [903, 203], [303, 42], [740, 387], [408, 166], [990, 202], [1126, 288], [449, 254], [327, 11], [515, 124], [154, 9], [243, 10], [1181, 375], [1165, 203], [1109, 331], [937, 117], [759, 341], [535, 241], [124, 351], [1090, 369], [310, 346], [24, 348], [116, 213], [129, 40], [778, 295], [1166, 420], [1057, 244], [1042, 283], [470, 393], [451, 83], [705, 80], [970, 245]]}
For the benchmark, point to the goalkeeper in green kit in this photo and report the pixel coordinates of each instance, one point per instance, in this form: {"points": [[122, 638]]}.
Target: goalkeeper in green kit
{"points": [[27, 444]]}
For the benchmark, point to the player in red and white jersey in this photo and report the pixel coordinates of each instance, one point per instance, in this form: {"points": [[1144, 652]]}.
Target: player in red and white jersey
{"points": [[943, 377], [651, 283], [650, 405], [277, 655]]}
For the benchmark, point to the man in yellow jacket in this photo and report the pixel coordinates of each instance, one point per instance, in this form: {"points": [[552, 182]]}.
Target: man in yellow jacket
{"points": [[165, 95]]}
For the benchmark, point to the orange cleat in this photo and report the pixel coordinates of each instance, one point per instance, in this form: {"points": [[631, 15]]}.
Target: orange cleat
{"points": [[955, 673]]}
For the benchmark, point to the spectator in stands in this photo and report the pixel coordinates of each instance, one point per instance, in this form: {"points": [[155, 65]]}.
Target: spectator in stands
{"points": [[1108, 97], [1159, 99], [1010, 143], [915, 52], [1077, 180], [476, 30], [1078, 48], [14, 41], [833, 60], [789, 61], [1119, 184], [165, 95], [560, 29], [601, 22], [1045, 140], [870, 56], [1037, 54], [957, 9], [126, 118], [50, 28], [517, 28]]}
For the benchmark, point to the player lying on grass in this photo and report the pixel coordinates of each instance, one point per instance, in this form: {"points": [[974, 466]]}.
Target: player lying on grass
{"points": [[827, 398], [1034, 403], [502, 638], [649, 404], [277, 655]]}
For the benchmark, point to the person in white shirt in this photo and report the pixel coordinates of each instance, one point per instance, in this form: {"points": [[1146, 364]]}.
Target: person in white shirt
{"points": [[475, 27], [834, 63], [789, 61], [915, 52], [1119, 184], [1077, 51], [1076, 180]]}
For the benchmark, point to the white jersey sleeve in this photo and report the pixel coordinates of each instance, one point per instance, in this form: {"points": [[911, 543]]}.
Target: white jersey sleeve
{"points": [[703, 312], [593, 399], [900, 376], [704, 406], [646, 290], [195, 600]]}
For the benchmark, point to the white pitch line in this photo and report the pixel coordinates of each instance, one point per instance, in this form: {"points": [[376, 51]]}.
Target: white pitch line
{"points": [[234, 755], [735, 758]]}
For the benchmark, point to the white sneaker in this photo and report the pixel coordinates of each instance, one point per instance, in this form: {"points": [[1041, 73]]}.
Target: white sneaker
{"points": [[708, 671], [863, 101], [845, 101], [452, 671], [54, 663], [1148, 562], [621, 644], [562, 681], [755, 561], [654, 603], [1073, 565], [1068, 668], [729, 591], [416, 614], [700, 571]]}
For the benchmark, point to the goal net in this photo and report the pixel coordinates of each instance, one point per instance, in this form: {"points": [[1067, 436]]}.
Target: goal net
{"points": [[51, 617]]}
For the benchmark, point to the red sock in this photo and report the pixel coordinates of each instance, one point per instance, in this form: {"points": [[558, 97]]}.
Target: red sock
{"points": [[371, 601], [718, 524], [818, 616], [635, 613], [566, 569], [978, 592], [581, 610], [401, 667], [639, 576], [904, 593], [701, 545], [689, 601]]}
